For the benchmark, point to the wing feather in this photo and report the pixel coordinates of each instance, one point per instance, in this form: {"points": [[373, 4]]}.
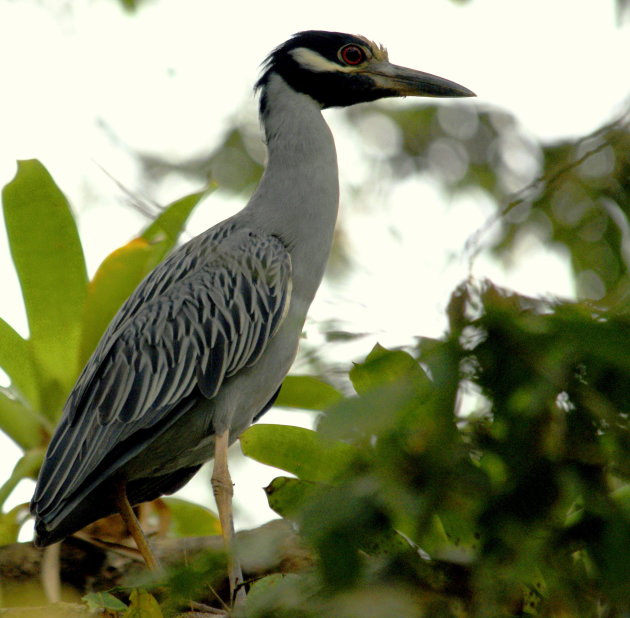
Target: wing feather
{"points": [[189, 325]]}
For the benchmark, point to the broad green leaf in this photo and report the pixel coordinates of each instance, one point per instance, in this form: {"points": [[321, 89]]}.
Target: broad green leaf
{"points": [[272, 592], [194, 577], [26, 467], [49, 262], [451, 537], [307, 393], [190, 519], [534, 590], [382, 367], [532, 601], [116, 278], [122, 270], [622, 497], [142, 605], [262, 586], [11, 523], [434, 538], [361, 417], [24, 426], [289, 496], [17, 362], [303, 452], [286, 496], [104, 600], [171, 221], [391, 385]]}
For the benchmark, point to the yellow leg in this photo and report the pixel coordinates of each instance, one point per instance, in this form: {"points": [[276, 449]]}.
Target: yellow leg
{"points": [[50, 573], [133, 525], [223, 491]]}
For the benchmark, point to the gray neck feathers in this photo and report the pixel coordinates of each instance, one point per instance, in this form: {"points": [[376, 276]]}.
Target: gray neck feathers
{"points": [[298, 195]]}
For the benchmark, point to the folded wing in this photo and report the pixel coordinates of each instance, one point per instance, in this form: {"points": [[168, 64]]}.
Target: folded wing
{"points": [[196, 320]]}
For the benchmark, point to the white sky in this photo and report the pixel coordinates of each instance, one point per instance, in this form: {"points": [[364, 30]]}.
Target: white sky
{"points": [[168, 79]]}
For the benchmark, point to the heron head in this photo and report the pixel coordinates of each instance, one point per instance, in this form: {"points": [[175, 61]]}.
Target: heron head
{"points": [[338, 69]]}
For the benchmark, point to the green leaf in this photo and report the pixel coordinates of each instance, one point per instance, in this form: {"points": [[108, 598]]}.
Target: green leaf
{"points": [[24, 426], [268, 595], [303, 452], [287, 496], [122, 270], [26, 467], [190, 519], [104, 601], [116, 278], [391, 385], [359, 418], [16, 361], [534, 589], [383, 367], [262, 587], [462, 539], [307, 393], [193, 578], [11, 523], [171, 221], [142, 605], [622, 497], [49, 262], [434, 539]]}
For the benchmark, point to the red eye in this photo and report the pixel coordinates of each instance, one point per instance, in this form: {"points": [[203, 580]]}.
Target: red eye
{"points": [[352, 54]]}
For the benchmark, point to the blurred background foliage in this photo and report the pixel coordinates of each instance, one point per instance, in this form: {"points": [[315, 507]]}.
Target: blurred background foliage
{"points": [[485, 474], [482, 474], [571, 195]]}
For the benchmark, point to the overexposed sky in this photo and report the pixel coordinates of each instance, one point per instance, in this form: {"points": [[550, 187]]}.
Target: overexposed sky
{"points": [[82, 86]]}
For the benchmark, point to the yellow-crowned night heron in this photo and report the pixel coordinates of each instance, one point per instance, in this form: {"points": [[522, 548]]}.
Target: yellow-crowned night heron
{"points": [[199, 351]]}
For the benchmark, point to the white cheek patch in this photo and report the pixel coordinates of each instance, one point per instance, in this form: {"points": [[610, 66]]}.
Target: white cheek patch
{"points": [[313, 61]]}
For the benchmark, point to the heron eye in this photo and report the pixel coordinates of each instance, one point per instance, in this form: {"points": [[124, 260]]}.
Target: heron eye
{"points": [[352, 54]]}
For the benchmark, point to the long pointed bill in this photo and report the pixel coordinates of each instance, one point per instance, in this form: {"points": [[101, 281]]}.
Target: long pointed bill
{"points": [[403, 82]]}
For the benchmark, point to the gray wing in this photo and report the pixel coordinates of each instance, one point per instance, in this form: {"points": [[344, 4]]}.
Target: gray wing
{"points": [[197, 319]]}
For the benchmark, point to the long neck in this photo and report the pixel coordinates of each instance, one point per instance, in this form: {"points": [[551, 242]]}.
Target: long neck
{"points": [[298, 195]]}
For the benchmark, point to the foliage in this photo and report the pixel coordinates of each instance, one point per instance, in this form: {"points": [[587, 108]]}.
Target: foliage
{"points": [[189, 519], [572, 195], [482, 474], [485, 474], [141, 604], [131, 6], [66, 313]]}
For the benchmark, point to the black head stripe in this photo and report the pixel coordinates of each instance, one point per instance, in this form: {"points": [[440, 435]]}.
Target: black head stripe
{"points": [[329, 88], [327, 44]]}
